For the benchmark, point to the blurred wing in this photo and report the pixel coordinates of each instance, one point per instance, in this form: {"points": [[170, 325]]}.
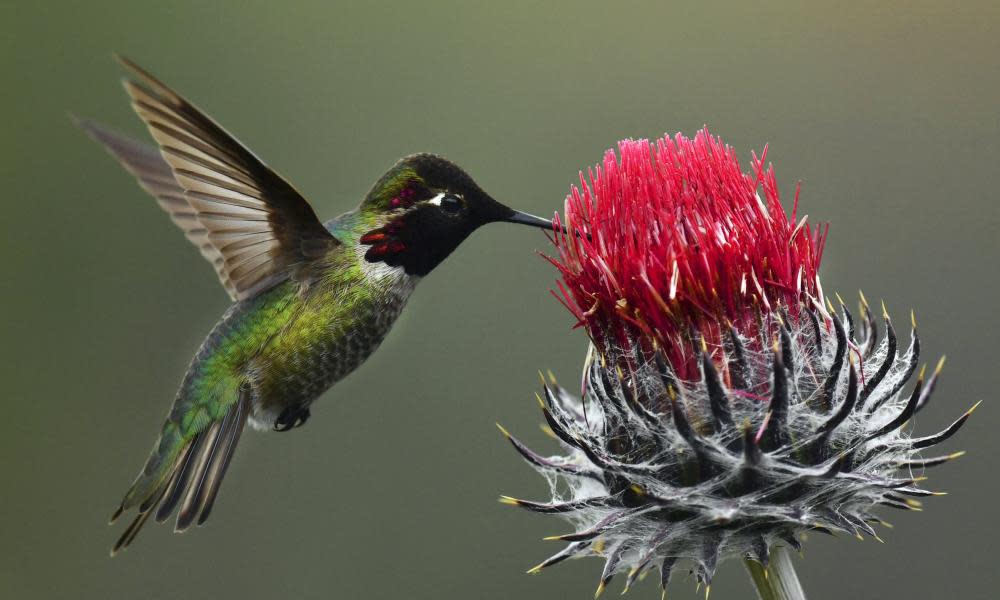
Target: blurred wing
{"points": [[261, 227], [156, 177]]}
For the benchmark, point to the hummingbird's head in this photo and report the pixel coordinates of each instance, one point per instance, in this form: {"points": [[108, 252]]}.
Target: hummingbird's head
{"points": [[424, 207]]}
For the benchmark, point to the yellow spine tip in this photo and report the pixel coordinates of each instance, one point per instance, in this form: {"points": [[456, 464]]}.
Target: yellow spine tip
{"points": [[885, 312], [839, 299], [974, 407], [508, 500], [600, 590], [628, 580], [940, 365], [913, 318], [923, 370], [864, 301], [955, 455], [505, 433]]}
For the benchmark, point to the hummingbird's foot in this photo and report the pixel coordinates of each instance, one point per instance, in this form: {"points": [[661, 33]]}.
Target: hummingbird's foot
{"points": [[292, 417]]}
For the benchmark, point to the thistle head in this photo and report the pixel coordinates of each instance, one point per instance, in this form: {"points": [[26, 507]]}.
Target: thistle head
{"points": [[680, 245], [725, 407]]}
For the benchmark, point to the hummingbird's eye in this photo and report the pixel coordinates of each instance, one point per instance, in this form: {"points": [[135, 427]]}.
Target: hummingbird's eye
{"points": [[449, 203]]}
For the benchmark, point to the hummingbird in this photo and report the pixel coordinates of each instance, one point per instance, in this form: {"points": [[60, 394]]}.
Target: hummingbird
{"points": [[311, 300]]}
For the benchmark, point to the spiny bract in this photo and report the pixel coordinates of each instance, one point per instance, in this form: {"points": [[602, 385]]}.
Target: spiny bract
{"points": [[658, 469]]}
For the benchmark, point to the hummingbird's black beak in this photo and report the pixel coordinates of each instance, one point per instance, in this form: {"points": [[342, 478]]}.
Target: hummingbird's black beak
{"points": [[530, 220]]}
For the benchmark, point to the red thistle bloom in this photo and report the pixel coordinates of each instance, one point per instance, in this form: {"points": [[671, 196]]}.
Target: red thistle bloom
{"points": [[675, 239], [725, 409]]}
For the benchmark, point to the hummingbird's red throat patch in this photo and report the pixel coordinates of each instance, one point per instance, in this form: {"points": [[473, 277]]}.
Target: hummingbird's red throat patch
{"points": [[384, 241]]}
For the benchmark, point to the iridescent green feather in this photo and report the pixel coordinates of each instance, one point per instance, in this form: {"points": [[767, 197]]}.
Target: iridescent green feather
{"points": [[285, 330], [211, 386]]}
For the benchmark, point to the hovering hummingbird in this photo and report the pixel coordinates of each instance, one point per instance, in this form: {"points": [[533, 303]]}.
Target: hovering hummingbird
{"points": [[312, 300]]}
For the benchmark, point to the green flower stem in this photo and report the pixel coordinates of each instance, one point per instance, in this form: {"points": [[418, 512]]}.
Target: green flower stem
{"points": [[778, 581]]}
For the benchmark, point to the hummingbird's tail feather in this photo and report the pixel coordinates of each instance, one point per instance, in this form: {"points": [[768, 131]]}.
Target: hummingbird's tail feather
{"points": [[186, 473], [213, 463]]}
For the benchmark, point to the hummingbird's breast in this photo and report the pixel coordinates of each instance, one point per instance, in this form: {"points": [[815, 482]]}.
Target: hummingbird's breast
{"points": [[341, 321], [290, 343]]}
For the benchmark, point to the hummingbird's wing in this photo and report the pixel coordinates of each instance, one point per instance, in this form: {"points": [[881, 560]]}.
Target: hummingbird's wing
{"points": [[157, 178], [261, 227]]}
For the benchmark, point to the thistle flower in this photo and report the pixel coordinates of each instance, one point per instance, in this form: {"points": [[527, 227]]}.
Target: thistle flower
{"points": [[725, 409]]}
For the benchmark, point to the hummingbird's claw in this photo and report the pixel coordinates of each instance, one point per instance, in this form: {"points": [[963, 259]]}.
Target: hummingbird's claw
{"points": [[292, 417]]}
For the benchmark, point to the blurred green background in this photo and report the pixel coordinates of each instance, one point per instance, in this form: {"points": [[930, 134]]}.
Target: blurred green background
{"points": [[888, 115]]}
